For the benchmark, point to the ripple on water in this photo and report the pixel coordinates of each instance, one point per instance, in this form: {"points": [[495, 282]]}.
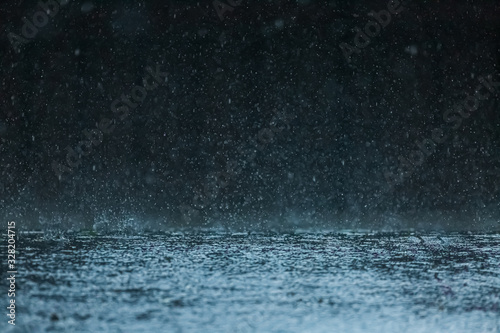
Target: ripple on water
{"points": [[352, 282]]}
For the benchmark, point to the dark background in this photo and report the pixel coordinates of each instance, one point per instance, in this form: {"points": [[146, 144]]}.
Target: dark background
{"points": [[346, 123]]}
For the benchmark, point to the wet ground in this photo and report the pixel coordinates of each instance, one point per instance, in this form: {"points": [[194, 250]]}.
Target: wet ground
{"points": [[217, 282]]}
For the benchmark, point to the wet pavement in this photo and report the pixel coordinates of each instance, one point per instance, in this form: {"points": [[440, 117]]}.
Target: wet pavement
{"points": [[219, 282]]}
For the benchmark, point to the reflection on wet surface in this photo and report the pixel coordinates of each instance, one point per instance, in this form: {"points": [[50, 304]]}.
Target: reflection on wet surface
{"points": [[210, 282]]}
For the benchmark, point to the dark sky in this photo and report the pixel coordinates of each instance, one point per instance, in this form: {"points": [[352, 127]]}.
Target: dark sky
{"points": [[257, 114]]}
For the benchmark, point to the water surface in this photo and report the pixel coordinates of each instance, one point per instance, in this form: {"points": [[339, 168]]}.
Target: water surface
{"points": [[219, 282]]}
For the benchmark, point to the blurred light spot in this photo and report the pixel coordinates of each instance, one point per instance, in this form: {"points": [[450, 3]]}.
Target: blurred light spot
{"points": [[87, 7]]}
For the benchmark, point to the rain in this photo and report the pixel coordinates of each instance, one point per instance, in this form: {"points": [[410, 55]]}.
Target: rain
{"points": [[250, 166]]}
